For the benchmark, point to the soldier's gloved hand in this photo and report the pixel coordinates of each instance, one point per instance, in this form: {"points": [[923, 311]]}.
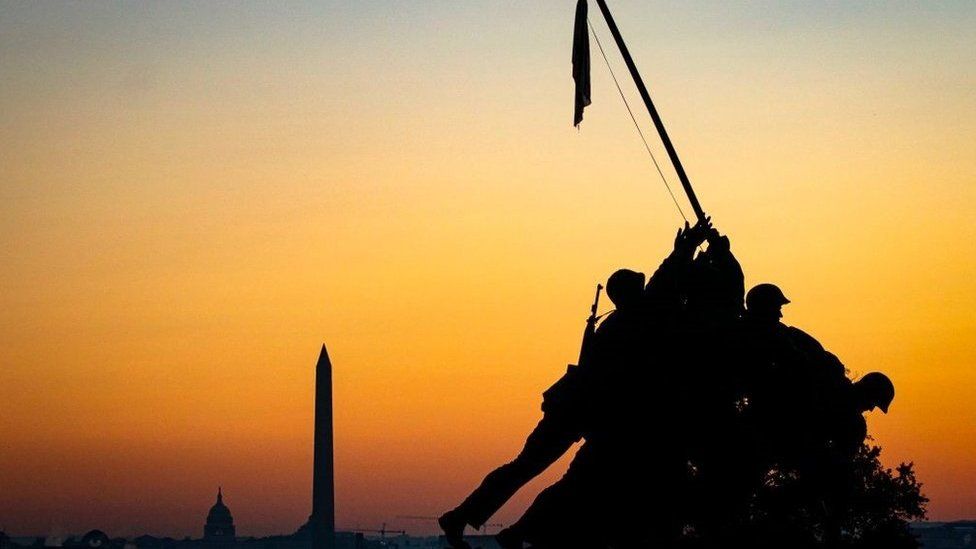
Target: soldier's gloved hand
{"points": [[680, 239]]}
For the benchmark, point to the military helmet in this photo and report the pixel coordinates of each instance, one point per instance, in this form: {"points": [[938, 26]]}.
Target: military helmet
{"points": [[765, 296], [625, 286], [879, 390]]}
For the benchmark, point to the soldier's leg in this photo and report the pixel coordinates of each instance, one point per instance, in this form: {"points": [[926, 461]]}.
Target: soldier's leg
{"points": [[547, 442], [545, 524], [570, 514]]}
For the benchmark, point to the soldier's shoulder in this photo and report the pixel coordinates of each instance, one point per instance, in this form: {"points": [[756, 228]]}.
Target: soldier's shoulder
{"points": [[616, 321], [809, 344], [803, 338], [607, 322]]}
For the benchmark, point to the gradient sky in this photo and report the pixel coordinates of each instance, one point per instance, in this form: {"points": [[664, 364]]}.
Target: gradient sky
{"points": [[194, 196]]}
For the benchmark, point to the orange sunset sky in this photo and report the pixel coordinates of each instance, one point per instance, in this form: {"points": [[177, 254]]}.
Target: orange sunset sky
{"points": [[195, 195]]}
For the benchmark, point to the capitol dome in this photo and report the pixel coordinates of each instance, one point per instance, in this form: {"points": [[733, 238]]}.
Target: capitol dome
{"points": [[220, 523]]}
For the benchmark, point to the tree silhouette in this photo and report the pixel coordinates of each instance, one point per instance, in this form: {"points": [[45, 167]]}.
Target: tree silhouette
{"points": [[859, 505]]}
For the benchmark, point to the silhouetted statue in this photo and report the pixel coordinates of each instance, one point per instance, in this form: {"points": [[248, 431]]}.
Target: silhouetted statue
{"points": [[711, 425], [563, 423], [706, 424]]}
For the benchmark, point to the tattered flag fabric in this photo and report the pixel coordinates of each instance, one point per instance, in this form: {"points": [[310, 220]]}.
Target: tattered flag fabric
{"points": [[581, 61]]}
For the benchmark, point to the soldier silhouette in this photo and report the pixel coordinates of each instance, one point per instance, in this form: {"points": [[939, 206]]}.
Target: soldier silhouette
{"points": [[705, 396], [807, 413], [563, 422], [596, 501], [846, 429], [826, 475]]}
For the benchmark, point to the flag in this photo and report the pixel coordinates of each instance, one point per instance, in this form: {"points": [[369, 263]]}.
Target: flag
{"points": [[581, 61]]}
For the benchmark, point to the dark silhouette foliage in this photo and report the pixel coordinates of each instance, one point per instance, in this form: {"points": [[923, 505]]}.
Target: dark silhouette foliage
{"points": [[883, 503], [870, 510]]}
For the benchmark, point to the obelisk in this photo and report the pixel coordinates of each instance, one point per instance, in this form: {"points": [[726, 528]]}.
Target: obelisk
{"points": [[323, 481]]}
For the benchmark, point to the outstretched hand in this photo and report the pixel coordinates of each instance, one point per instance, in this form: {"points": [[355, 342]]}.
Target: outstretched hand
{"points": [[681, 237]]}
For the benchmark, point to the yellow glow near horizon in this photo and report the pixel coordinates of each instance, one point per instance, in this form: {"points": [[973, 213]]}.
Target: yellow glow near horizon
{"points": [[192, 201]]}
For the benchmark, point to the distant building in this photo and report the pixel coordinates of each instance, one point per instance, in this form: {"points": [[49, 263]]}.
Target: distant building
{"points": [[946, 535], [219, 528], [96, 539]]}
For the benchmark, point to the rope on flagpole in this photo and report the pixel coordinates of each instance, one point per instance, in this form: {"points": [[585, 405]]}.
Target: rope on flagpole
{"points": [[636, 125]]}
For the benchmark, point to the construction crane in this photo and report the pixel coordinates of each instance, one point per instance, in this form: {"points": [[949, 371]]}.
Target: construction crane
{"points": [[382, 531], [483, 529]]}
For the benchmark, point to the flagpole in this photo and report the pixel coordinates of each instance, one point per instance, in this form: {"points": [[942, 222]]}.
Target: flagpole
{"points": [[653, 112]]}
